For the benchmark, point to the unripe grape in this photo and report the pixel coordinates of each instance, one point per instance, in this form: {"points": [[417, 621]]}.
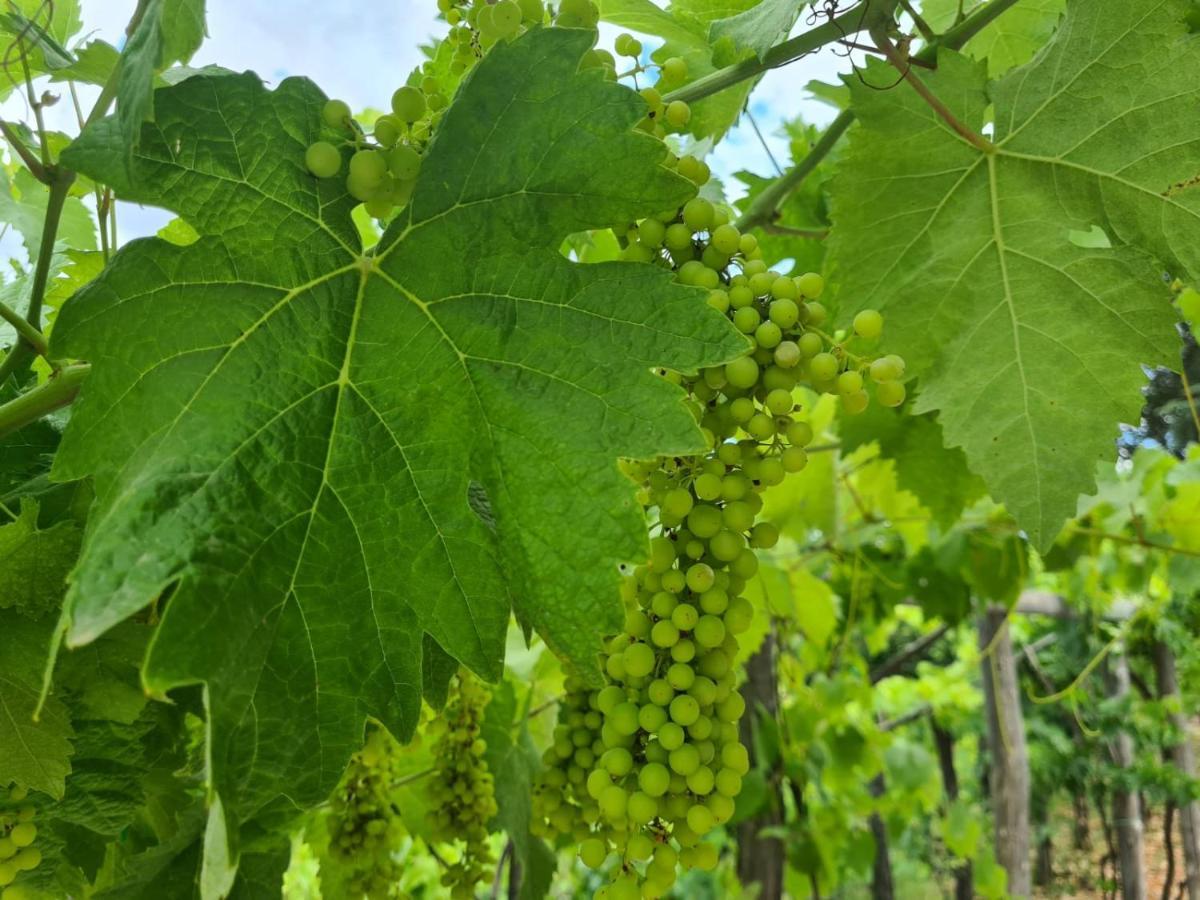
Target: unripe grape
{"points": [[404, 162], [810, 285], [890, 393], [678, 114], [684, 710], [336, 114], [593, 852], [742, 373], [823, 366], [23, 835], [323, 159], [849, 382], [726, 239], [653, 779], [868, 324], [408, 104], [674, 70], [856, 402]]}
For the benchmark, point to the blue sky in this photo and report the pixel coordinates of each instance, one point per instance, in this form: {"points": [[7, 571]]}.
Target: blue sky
{"points": [[361, 52]]}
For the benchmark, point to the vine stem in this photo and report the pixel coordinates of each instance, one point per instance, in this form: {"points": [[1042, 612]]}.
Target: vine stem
{"points": [[27, 156], [761, 210], [60, 185], [27, 332], [766, 205], [902, 65], [44, 399], [836, 29]]}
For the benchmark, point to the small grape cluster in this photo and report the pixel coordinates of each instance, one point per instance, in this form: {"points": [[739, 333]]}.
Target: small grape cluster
{"points": [[17, 835], [462, 789], [383, 167], [364, 822]]}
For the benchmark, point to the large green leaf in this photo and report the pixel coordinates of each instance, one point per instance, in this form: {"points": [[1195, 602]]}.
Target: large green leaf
{"points": [[514, 762], [1011, 39], [36, 562], [938, 475], [1028, 343], [169, 31], [34, 752], [329, 453], [758, 28]]}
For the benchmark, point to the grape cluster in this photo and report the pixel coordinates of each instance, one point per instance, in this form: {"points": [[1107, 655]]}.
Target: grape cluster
{"points": [[18, 832], [461, 790], [644, 767], [365, 824], [383, 165]]}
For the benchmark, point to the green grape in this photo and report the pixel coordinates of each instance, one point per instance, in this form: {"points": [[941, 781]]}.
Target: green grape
{"points": [[890, 393], [532, 11], [336, 114], [854, 403], [641, 807], [868, 324], [674, 70], [654, 779], [823, 366], [593, 852], [7, 848], [506, 17], [810, 285], [404, 162], [849, 382], [742, 373], [639, 660], [322, 159], [23, 835], [387, 130], [408, 104], [678, 114], [27, 859]]}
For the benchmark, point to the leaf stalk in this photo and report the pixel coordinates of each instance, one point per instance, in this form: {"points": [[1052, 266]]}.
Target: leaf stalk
{"points": [[44, 399]]}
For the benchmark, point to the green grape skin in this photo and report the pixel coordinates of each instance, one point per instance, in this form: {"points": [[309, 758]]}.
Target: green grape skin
{"points": [[408, 104], [654, 779], [868, 324], [678, 114], [674, 70], [404, 162], [890, 393], [336, 114], [593, 852], [322, 159]]}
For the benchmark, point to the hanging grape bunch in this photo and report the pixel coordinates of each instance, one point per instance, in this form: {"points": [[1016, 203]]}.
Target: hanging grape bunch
{"points": [[383, 165], [18, 834], [643, 768], [461, 790], [364, 823]]}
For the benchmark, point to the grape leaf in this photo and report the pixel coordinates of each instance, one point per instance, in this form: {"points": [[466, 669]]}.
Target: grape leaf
{"points": [[1029, 344], [758, 28], [937, 474], [169, 31], [93, 64], [43, 29], [23, 206], [292, 431], [514, 761], [36, 562], [32, 753], [1010, 39]]}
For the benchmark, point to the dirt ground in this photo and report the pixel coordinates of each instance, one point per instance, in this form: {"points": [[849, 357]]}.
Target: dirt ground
{"points": [[1088, 873]]}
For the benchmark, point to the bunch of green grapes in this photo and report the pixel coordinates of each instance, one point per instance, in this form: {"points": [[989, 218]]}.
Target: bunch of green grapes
{"points": [[643, 768], [461, 790], [381, 167], [18, 832], [364, 823]]}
